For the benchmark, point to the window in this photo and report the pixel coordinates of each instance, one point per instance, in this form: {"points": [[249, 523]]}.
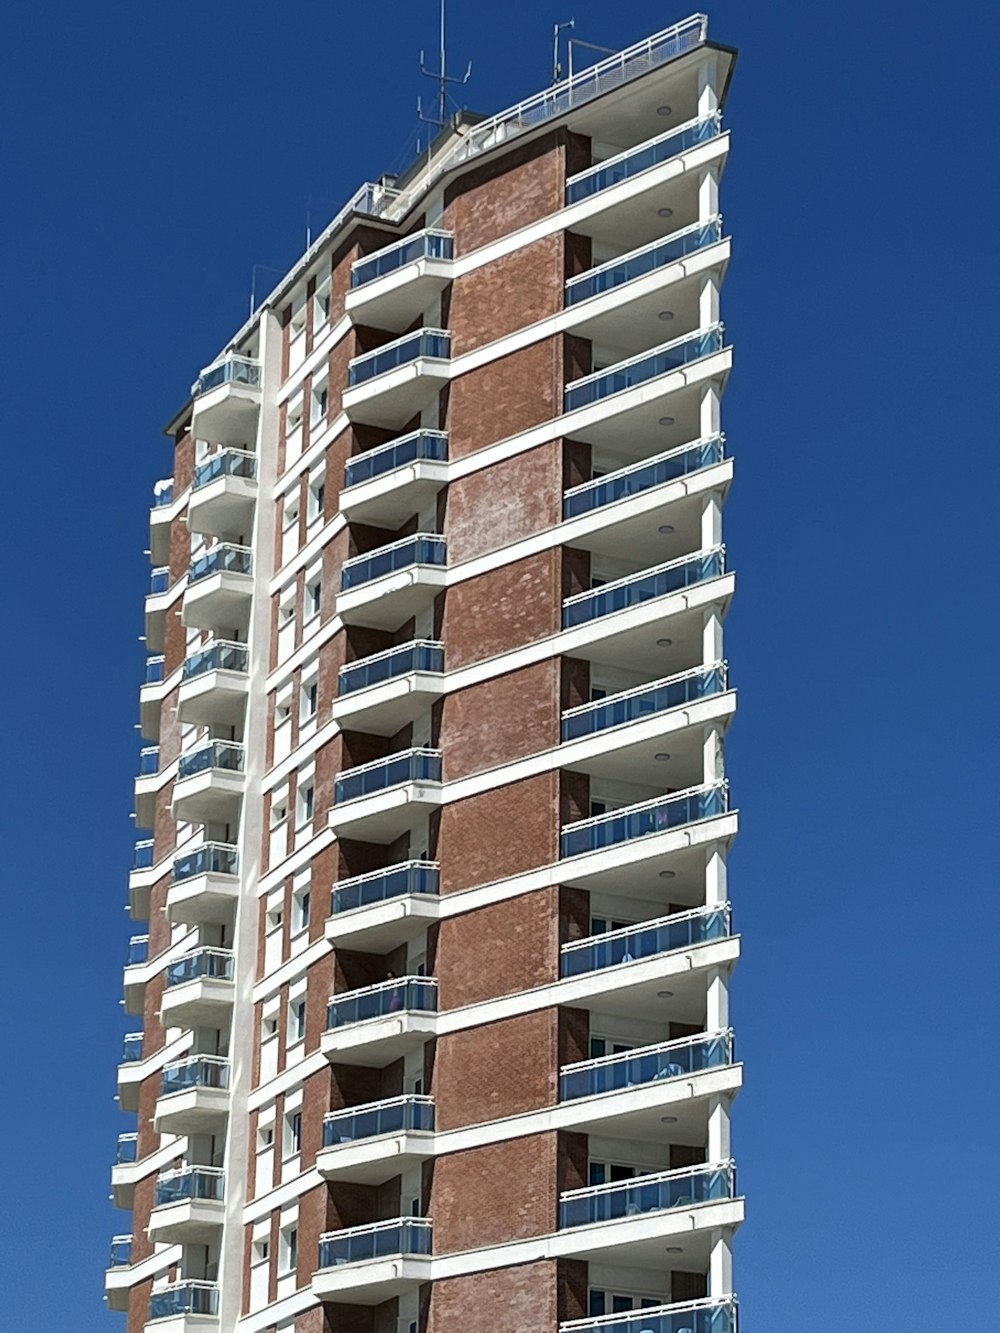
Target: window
{"points": [[320, 402], [265, 1138], [322, 304], [261, 1251], [290, 1249], [300, 910], [309, 700], [297, 1020], [316, 500], [293, 1134], [305, 802]]}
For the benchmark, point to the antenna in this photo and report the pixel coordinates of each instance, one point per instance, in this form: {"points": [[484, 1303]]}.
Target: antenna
{"points": [[259, 268], [557, 28], [443, 79]]}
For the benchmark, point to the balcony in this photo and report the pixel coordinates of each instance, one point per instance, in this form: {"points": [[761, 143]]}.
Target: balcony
{"points": [[639, 370], [647, 259], [118, 1279], [382, 693], [159, 600], [142, 877], [227, 398], [394, 286], [614, 948], [635, 161], [370, 1264], [370, 1144], [214, 684], [648, 818], [385, 908], [388, 484], [373, 1026], [131, 1071], [394, 583], [198, 990], [618, 710], [210, 783], [151, 694], [188, 1206], [224, 493], [377, 802], [204, 884], [134, 979], [714, 1314], [648, 474], [389, 386], [160, 521], [188, 1305], [644, 586], [123, 1173], [220, 588], [194, 1096], [147, 784]]}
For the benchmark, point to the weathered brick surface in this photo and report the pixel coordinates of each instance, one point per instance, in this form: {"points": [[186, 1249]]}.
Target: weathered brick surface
{"points": [[514, 291], [503, 719], [499, 833], [505, 396], [516, 604], [502, 1069], [496, 506], [499, 950], [495, 1194]]}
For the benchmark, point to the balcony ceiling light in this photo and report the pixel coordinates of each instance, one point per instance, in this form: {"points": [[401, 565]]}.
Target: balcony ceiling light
{"points": [[662, 757], [664, 643], [665, 314], [664, 110], [668, 1120], [664, 995], [665, 212], [668, 874], [674, 1249], [666, 421], [667, 529]]}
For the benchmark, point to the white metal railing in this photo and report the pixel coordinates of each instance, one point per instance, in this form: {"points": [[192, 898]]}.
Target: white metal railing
{"points": [[640, 806], [640, 574], [381, 763], [595, 704], [654, 1178], [357, 560], [643, 356], [623, 932], [370, 875], [642, 465], [620, 261], [684, 1315], [646, 144], [658, 1048], [394, 983]]}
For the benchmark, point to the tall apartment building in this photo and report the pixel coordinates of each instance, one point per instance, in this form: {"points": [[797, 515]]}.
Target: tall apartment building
{"points": [[434, 994]]}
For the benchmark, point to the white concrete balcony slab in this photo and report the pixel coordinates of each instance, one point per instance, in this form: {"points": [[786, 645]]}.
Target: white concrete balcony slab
{"points": [[370, 1264], [188, 1206], [394, 286], [224, 494], [210, 784], [376, 1025], [388, 586], [386, 485], [204, 885], [198, 990], [370, 1144], [227, 398], [382, 693], [214, 684], [375, 913], [126, 1170], [184, 1307], [119, 1278], [194, 1096], [152, 692], [389, 386], [142, 878], [161, 598], [377, 802], [219, 589], [136, 975], [133, 1069], [148, 782]]}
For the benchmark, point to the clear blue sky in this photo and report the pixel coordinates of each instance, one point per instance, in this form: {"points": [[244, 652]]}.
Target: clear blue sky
{"points": [[151, 156]]}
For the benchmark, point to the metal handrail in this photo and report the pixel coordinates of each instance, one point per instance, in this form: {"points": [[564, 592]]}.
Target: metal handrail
{"points": [[679, 1043], [629, 255], [644, 356], [642, 464], [642, 574], [388, 652], [626, 153], [678, 1173], [394, 1222], [391, 984], [389, 759], [356, 560], [641, 689], [426, 331], [588, 941], [648, 1314]]}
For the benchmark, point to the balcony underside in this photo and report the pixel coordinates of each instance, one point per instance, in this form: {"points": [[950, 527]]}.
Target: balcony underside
{"points": [[388, 501], [628, 868], [372, 1282], [638, 1241], [203, 899], [219, 601], [394, 300], [227, 414], [212, 796], [395, 397], [386, 602], [636, 1113], [187, 1222], [223, 508], [201, 1002], [379, 927], [376, 1160], [377, 1042], [386, 708], [216, 697], [193, 1111], [384, 816]]}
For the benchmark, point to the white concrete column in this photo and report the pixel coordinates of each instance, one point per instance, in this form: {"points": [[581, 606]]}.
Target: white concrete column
{"points": [[708, 86], [711, 638], [713, 755], [720, 1264], [709, 307], [719, 1141], [716, 877], [710, 412], [717, 1000], [708, 194], [711, 521]]}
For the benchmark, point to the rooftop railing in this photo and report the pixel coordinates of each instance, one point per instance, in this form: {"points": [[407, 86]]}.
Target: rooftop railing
{"points": [[645, 1064], [420, 655], [615, 710], [423, 548], [131, 1048], [647, 1194], [127, 1150], [643, 476], [206, 963], [431, 344], [419, 446], [416, 765], [233, 370], [397, 996], [634, 161], [211, 858], [219, 655], [647, 259], [142, 854], [394, 1115], [429, 244], [196, 1071], [379, 886], [643, 586], [639, 821], [612, 948], [228, 755], [714, 1314], [189, 1183], [153, 674], [643, 367], [138, 950], [121, 1252], [183, 1298], [228, 463], [224, 558], [403, 1235], [149, 761]]}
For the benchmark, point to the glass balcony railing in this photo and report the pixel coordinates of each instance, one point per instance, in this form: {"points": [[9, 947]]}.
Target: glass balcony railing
{"points": [[646, 366], [220, 655], [636, 160], [711, 1315], [419, 446], [138, 950], [424, 245], [229, 755], [420, 655], [182, 1298], [409, 766], [645, 1064], [396, 1115], [228, 463], [121, 1252], [421, 549], [643, 586], [404, 1235], [212, 858], [398, 996], [644, 701], [163, 494], [631, 943], [159, 580], [127, 1150], [214, 964], [647, 1194], [149, 761], [379, 886], [131, 1048], [638, 821], [432, 344], [639, 477], [222, 559], [197, 1071], [234, 370], [637, 263], [142, 854], [192, 1182], [154, 670]]}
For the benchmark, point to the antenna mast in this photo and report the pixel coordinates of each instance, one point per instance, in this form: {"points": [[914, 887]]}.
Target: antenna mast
{"points": [[443, 79]]}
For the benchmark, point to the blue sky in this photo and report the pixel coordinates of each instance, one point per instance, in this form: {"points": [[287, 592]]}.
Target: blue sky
{"points": [[151, 157]]}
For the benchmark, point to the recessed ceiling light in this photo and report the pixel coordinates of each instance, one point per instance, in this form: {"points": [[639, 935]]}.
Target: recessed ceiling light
{"points": [[666, 421], [674, 1249], [668, 874], [664, 995], [665, 315], [664, 110], [668, 1120], [665, 212], [664, 643], [662, 757], [667, 529]]}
